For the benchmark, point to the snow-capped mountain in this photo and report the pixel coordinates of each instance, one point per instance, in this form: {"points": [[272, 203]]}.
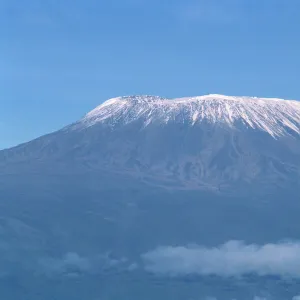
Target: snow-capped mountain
{"points": [[120, 203], [212, 141], [275, 116]]}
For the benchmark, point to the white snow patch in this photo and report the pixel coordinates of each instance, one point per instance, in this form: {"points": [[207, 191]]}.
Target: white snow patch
{"points": [[274, 116]]}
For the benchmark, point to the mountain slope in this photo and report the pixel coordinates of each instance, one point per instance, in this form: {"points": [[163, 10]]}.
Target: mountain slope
{"points": [[215, 142]]}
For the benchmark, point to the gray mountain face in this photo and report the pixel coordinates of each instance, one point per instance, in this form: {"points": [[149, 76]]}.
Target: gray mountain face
{"points": [[126, 202]]}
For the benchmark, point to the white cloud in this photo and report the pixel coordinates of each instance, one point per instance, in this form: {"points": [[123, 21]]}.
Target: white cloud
{"points": [[231, 259]]}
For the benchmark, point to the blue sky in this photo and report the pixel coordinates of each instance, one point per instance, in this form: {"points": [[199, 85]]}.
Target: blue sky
{"points": [[61, 58]]}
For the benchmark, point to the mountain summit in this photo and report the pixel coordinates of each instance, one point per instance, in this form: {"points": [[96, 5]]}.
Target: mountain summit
{"points": [[211, 142], [274, 116]]}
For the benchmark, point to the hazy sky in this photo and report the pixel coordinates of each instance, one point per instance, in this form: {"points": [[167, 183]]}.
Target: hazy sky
{"points": [[61, 58]]}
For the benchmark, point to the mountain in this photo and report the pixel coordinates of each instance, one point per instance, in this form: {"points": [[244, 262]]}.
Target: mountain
{"points": [[153, 198], [209, 142]]}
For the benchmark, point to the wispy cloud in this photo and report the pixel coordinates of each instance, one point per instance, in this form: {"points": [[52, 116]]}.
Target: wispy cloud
{"points": [[231, 259], [72, 264]]}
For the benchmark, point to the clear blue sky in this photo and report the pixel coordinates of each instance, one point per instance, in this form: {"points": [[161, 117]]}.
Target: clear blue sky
{"points": [[61, 58]]}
